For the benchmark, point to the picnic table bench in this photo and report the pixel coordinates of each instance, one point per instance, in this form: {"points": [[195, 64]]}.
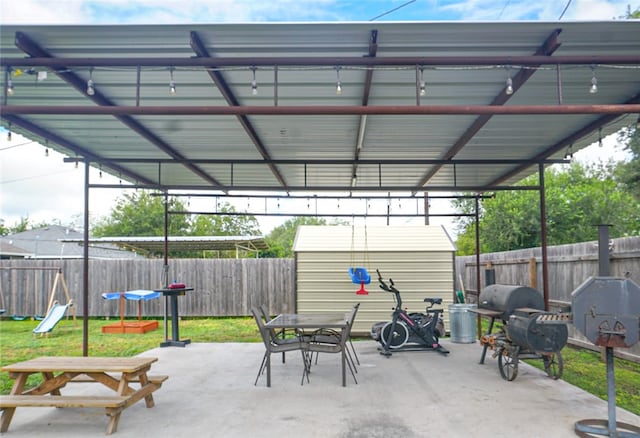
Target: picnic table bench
{"points": [[115, 373]]}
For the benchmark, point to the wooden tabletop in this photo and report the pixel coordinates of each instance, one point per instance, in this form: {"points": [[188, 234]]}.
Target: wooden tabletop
{"points": [[81, 364]]}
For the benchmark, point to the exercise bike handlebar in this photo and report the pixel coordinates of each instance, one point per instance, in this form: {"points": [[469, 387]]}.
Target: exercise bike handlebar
{"points": [[391, 288], [384, 286]]}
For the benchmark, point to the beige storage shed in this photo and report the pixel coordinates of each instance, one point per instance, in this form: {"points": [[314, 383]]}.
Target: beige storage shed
{"points": [[420, 260]]}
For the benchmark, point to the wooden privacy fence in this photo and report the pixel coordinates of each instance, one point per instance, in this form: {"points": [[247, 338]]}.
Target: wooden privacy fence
{"points": [[222, 287], [569, 266]]}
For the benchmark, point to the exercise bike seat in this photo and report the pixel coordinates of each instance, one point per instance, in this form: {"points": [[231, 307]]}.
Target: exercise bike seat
{"points": [[433, 300]]}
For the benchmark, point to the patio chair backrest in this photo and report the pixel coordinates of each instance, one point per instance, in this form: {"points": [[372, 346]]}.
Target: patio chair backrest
{"points": [[352, 314], [264, 332]]}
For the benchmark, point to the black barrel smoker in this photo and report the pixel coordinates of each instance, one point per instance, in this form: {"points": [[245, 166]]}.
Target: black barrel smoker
{"points": [[521, 335]]}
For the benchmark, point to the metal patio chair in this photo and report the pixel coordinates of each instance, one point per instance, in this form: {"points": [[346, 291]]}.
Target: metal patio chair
{"points": [[332, 337], [331, 341], [273, 344]]}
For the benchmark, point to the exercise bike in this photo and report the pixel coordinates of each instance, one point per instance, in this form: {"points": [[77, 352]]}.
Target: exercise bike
{"points": [[409, 331]]}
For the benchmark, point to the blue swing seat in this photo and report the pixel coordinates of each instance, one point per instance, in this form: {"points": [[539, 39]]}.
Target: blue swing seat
{"points": [[359, 275]]}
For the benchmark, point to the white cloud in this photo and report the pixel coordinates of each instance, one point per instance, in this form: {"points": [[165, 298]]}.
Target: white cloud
{"points": [[43, 188], [597, 9]]}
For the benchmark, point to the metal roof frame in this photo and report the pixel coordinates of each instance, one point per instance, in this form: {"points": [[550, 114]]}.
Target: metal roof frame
{"points": [[256, 114], [446, 165]]}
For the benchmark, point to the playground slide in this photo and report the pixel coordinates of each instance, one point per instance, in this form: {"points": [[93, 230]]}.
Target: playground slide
{"points": [[53, 317]]}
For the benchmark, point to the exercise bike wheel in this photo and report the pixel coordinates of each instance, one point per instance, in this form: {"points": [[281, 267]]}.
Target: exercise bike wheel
{"points": [[398, 338], [553, 365], [508, 364]]}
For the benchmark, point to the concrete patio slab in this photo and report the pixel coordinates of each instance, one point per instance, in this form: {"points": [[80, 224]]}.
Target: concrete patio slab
{"points": [[210, 393]]}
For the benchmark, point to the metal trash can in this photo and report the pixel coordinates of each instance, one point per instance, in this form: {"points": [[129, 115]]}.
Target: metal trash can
{"points": [[462, 323]]}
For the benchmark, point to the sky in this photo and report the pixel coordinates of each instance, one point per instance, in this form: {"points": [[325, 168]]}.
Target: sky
{"points": [[40, 187]]}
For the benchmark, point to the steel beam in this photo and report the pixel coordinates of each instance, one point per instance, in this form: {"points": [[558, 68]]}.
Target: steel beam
{"points": [[320, 161], [338, 189], [199, 48], [82, 152], [565, 142], [362, 127], [320, 61], [30, 47], [320, 110], [550, 45]]}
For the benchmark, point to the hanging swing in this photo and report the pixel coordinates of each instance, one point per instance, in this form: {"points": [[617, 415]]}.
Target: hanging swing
{"points": [[359, 274]]}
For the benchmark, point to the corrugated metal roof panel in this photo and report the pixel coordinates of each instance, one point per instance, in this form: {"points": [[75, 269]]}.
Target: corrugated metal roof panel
{"points": [[325, 137]]}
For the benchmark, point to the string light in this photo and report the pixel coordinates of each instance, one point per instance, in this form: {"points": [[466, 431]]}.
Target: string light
{"points": [[9, 132], [509, 89], [172, 84], [338, 83], [90, 90], [600, 136], [422, 85], [509, 86], [569, 153], [594, 81], [46, 148], [10, 89], [254, 84]]}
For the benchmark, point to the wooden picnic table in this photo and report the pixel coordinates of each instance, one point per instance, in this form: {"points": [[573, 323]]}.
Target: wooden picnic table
{"points": [[116, 373]]}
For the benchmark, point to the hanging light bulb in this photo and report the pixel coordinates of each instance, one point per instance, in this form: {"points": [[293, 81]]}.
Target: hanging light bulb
{"points": [[338, 83], [8, 135], [593, 89], [422, 85], [509, 88], [254, 84], [600, 137], [172, 84], [10, 89], [569, 153], [90, 90]]}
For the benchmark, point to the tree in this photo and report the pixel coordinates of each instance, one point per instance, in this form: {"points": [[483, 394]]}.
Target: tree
{"points": [[23, 225], [142, 214], [577, 198], [629, 172], [226, 225], [18, 227], [280, 239]]}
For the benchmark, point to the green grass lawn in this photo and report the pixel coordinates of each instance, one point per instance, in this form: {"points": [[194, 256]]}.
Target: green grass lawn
{"points": [[582, 368]]}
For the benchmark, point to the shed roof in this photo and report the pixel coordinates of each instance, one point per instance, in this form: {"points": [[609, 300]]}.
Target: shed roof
{"points": [[295, 133], [432, 238]]}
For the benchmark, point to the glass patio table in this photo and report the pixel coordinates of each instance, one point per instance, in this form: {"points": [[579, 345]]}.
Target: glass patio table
{"points": [[298, 321]]}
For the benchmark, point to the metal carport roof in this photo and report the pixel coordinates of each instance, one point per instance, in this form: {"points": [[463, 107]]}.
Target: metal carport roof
{"points": [[295, 133], [312, 107], [155, 244]]}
